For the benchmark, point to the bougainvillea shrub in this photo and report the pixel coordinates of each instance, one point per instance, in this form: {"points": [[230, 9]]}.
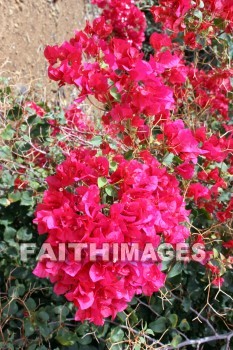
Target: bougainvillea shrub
{"points": [[165, 126]]}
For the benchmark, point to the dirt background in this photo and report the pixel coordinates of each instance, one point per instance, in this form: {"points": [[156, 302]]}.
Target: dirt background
{"points": [[26, 26]]}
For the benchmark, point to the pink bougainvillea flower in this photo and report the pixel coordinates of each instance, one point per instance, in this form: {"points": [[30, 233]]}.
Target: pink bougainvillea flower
{"points": [[228, 244], [197, 191], [32, 105], [181, 141], [186, 170], [218, 281], [159, 40]]}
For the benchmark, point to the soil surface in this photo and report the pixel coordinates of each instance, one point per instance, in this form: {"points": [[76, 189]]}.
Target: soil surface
{"points": [[26, 27]]}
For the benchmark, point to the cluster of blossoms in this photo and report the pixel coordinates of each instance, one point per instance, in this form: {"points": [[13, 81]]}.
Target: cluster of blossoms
{"points": [[211, 91], [143, 205], [196, 19], [126, 20], [152, 109], [200, 24]]}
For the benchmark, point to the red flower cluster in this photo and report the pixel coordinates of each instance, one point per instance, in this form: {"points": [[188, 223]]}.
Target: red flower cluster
{"points": [[196, 19], [199, 23], [171, 13], [211, 90], [131, 88], [146, 207], [127, 21], [221, 9]]}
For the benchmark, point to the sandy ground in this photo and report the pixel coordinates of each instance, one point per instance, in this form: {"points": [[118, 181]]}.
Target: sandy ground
{"points": [[26, 26]]}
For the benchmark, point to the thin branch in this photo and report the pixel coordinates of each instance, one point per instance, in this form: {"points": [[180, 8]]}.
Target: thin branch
{"points": [[199, 316], [226, 336], [148, 306]]}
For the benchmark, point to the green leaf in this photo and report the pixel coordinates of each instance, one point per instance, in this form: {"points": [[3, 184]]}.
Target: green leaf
{"points": [[83, 329], [85, 340], [215, 253], [177, 339], [117, 335], [15, 113], [175, 270], [177, 160], [113, 166], [26, 198], [142, 340], [5, 152], [21, 289], [224, 197], [31, 304], [65, 337], [9, 346], [101, 331], [62, 311], [96, 141], [133, 318], [165, 265], [197, 13], [42, 347], [17, 291], [184, 325], [45, 330], [111, 191], [159, 325], [116, 347], [12, 308], [186, 303], [34, 184], [201, 4], [149, 331], [28, 327], [219, 22], [167, 161], [5, 202], [128, 155], [42, 316], [20, 272], [7, 178], [215, 125], [14, 196], [12, 252], [137, 347], [102, 181], [32, 347], [9, 233], [8, 133], [23, 127], [115, 94], [6, 221], [173, 318], [23, 235], [122, 316]]}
